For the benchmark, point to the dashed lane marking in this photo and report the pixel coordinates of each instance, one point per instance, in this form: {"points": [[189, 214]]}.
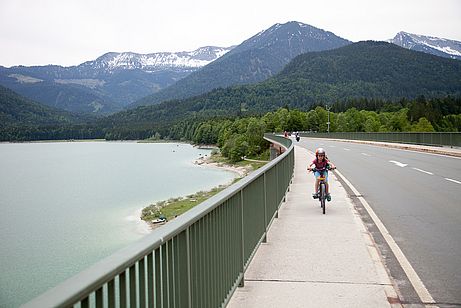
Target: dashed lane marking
{"points": [[366, 154], [423, 171], [454, 181], [346, 149]]}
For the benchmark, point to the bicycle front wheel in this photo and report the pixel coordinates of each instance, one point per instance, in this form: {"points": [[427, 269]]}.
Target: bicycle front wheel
{"points": [[322, 197]]}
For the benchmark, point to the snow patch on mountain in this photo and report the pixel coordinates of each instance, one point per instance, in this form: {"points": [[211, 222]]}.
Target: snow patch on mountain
{"points": [[87, 82], [25, 79], [448, 50], [428, 44], [158, 61]]}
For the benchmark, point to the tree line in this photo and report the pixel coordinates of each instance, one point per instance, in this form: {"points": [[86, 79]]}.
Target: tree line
{"points": [[242, 135]]}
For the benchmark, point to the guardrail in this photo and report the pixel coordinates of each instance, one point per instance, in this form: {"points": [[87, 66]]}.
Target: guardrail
{"points": [[196, 260], [452, 139]]}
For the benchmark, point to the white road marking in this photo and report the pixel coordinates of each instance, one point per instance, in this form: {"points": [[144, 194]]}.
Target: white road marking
{"points": [[332, 146], [418, 285], [423, 171], [398, 163], [345, 149], [454, 181], [365, 154], [420, 152]]}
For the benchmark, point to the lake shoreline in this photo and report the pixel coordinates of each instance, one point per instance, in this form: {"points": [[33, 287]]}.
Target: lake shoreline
{"points": [[210, 163], [206, 162], [206, 146]]}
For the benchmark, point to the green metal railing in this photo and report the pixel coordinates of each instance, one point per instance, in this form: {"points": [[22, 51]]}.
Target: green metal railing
{"points": [[452, 139], [196, 260]]}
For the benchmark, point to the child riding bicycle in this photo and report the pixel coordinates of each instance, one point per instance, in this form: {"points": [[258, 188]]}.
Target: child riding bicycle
{"points": [[321, 165]]}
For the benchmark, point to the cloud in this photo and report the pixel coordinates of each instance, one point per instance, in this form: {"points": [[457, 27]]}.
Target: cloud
{"points": [[73, 31]]}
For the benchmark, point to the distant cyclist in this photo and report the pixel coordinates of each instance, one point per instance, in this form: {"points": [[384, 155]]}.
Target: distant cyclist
{"points": [[321, 164]]}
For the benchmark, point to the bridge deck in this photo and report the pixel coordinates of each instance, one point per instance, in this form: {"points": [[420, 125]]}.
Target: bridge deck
{"points": [[315, 260]]}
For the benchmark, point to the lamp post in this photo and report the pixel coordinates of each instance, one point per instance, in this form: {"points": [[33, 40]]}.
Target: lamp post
{"points": [[328, 123]]}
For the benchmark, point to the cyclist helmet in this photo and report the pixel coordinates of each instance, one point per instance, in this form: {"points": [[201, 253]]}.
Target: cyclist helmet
{"points": [[320, 151]]}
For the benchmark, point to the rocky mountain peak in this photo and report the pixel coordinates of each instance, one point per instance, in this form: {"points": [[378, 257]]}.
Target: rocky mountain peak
{"points": [[429, 44], [292, 35]]}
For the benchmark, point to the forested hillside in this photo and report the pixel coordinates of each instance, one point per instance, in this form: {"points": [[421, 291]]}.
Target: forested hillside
{"points": [[421, 114], [22, 119], [16, 110], [72, 97], [371, 70]]}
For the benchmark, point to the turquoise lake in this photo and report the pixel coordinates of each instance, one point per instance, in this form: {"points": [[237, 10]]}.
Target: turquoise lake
{"points": [[66, 205]]}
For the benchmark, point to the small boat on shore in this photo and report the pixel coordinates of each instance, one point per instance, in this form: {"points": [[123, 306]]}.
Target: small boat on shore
{"points": [[161, 219]]}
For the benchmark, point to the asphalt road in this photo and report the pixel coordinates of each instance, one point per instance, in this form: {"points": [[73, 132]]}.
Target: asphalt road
{"points": [[418, 198]]}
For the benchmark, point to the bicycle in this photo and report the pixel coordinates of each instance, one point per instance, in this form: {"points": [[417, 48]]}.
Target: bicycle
{"points": [[322, 186]]}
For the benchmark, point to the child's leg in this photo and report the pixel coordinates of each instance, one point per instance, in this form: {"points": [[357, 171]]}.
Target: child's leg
{"points": [[316, 186], [326, 187]]}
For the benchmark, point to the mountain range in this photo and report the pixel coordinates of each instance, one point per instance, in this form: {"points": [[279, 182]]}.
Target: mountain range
{"points": [[118, 80], [254, 60], [372, 70], [437, 46], [154, 62], [108, 83]]}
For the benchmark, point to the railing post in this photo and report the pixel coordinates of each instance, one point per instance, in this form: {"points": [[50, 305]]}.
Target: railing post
{"points": [[158, 284], [242, 263], [183, 262], [132, 285], [122, 289], [142, 283], [277, 190], [189, 283], [265, 209], [150, 281], [111, 293], [284, 173]]}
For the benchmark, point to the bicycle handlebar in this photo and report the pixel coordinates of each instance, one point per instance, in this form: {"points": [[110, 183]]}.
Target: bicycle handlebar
{"points": [[315, 169]]}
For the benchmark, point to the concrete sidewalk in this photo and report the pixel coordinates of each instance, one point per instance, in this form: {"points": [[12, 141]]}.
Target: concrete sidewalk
{"points": [[315, 260]]}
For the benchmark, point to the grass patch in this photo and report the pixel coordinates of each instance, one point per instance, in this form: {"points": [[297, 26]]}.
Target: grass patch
{"points": [[218, 158], [174, 207]]}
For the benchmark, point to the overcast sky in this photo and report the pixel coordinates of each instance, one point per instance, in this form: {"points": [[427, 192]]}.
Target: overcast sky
{"points": [[69, 32]]}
